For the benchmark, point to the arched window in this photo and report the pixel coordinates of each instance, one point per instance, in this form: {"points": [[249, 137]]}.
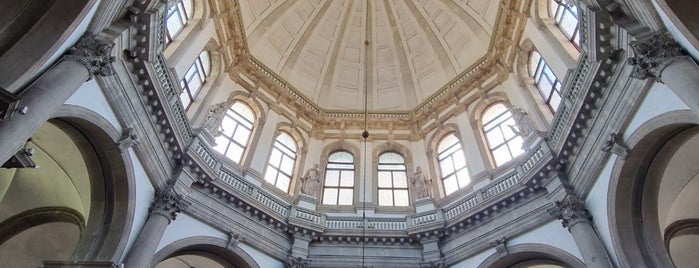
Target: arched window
{"points": [[237, 126], [392, 180], [499, 129], [177, 17], [452, 164], [546, 81], [281, 164], [338, 188], [565, 13], [194, 78]]}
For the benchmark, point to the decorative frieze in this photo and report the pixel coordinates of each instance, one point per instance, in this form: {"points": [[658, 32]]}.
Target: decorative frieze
{"points": [[653, 55], [94, 54]]}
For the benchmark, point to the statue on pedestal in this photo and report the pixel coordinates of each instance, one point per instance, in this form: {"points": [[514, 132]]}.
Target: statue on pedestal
{"points": [[422, 184], [310, 182], [214, 118]]}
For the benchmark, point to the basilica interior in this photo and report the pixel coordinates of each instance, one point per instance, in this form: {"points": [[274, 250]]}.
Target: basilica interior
{"points": [[349, 133]]}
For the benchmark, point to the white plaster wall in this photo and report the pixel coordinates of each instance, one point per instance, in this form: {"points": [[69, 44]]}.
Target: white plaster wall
{"points": [[651, 107], [189, 49], [263, 260], [91, 96], [185, 226], [144, 194], [475, 260], [552, 234]]}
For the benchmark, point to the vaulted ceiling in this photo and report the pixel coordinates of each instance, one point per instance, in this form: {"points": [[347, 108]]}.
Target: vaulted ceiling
{"points": [[402, 51]]}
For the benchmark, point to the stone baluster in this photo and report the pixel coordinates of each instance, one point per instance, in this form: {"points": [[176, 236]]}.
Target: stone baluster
{"points": [[89, 56], [166, 204], [664, 59], [575, 217]]}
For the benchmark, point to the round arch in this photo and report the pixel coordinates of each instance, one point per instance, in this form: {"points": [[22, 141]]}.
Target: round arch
{"points": [[403, 151], [532, 252], [208, 247], [639, 199]]}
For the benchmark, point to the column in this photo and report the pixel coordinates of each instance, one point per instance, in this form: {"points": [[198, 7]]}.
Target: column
{"points": [[665, 60], [88, 57], [574, 215], [166, 204]]}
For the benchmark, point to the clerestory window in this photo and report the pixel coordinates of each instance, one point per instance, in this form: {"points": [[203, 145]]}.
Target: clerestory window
{"points": [[452, 164], [237, 126], [177, 17], [565, 13], [282, 161], [546, 81], [338, 188], [194, 79], [392, 180], [499, 130]]}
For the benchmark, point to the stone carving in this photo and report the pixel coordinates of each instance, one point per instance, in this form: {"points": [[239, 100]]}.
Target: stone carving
{"points": [[570, 211], [167, 202], [128, 139], [297, 262], [422, 184], [652, 56], [214, 118], [615, 144], [94, 54], [310, 182], [501, 246], [524, 125], [233, 240]]}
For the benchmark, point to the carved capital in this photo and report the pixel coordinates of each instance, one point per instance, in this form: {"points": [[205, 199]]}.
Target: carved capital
{"points": [[571, 210], [167, 203], [94, 54], [615, 144], [297, 262], [653, 55], [501, 246]]}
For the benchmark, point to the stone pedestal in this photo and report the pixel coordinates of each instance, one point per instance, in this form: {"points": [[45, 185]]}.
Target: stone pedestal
{"points": [[665, 60], [424, 204], [307, 202], [163, 210], [89, 56], [574, 216]]}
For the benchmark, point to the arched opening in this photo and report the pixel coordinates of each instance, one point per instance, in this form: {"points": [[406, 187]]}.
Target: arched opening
{"points": [[532, 256], [74, 206], [202, 252], [653, 196]]}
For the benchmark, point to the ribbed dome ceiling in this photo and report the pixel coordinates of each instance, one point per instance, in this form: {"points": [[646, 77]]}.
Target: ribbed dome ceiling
{"points": [[415, 46]]}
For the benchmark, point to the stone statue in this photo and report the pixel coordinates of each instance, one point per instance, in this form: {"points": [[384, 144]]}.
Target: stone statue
{"points": [[524, 125], [422, 184], [310, 182], [214, 118]]}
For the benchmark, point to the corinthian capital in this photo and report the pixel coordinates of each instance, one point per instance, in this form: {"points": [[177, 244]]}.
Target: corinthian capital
{"points": [[653, 55], [571, 210], [94, 54], [167, 203]]}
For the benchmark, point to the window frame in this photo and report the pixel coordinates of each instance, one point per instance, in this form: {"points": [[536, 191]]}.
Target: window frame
{"points": [[329, 166], [383, 167], [183, 15], [561, 13], [441, 156], [198, 70], [540, 72], [248, 124], [284, 151], [503, 129]]}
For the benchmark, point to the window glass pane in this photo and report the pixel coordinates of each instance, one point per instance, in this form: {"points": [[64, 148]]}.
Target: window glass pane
{"points": [[385, 198], [507, 130], [221, 144], [516, 146], [287, 141], [534, 59], [400, 180], [390, 157], [241, 136], [270, 174], [330, 196], [205, 62], [235, 152], [243, 110], [332, 178], [447, 166], [184, 98], [341, 157], [275, 158], [287, 165], [458, 159], [555, 101], [463, 177], [401, 198], [347, 178], [446, 142], [493, 112], [384, 179], [345, 197], [501, 155], [450, 185], [174, 24], [283, 182], [494, 137]]}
